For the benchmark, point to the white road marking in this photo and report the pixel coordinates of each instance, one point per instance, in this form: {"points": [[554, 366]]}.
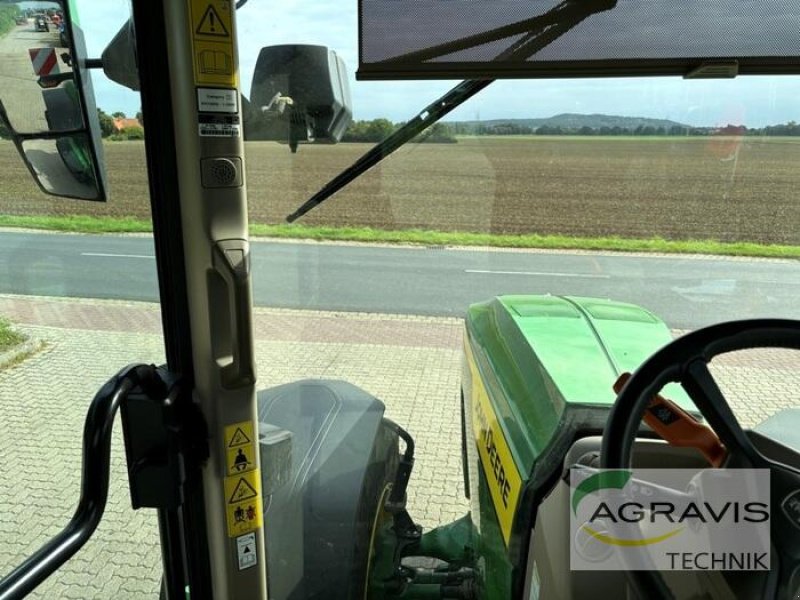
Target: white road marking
{"points": [[543, 274], [102, 254]]}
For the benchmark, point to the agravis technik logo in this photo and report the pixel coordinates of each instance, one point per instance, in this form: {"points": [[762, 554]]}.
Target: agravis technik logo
{"points": [[631, 512], [673, 519]]}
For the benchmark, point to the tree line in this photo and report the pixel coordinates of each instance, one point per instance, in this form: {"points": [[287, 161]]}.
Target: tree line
{"points": [[8, 14], [109, 130], [107, 127], [378, 130], [787, 129], [375, 130]]}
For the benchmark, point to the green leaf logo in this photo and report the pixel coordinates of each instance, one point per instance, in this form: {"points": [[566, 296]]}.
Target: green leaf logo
{"points": [[599, 481]]}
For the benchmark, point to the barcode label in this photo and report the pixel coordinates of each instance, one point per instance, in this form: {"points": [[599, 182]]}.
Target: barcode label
{"points": [[219, 130]]}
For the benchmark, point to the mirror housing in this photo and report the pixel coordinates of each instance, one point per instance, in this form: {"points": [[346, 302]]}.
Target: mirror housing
{"points": [[119, 58], [47, 103], [300, 93]]}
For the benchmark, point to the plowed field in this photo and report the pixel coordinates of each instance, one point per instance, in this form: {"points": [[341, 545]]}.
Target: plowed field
{"points": [[695, 188]]}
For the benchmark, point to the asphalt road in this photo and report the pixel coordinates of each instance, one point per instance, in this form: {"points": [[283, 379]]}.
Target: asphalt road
{"points": [[687, 292]]}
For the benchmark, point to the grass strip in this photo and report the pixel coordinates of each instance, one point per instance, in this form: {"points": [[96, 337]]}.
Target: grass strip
{"points": [[8, 337], [78, 223], [7, 16], [86, 224], [21, 357]]}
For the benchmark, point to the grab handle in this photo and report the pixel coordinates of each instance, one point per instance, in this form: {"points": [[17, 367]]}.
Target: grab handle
{"points": [[232, 264]]}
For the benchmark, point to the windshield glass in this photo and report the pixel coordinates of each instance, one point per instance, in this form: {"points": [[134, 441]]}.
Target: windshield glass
{"points": [[678, 196]]}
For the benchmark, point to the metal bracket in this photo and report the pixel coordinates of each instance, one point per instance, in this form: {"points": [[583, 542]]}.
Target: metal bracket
{"points": [[714, 69], [162, 435]]}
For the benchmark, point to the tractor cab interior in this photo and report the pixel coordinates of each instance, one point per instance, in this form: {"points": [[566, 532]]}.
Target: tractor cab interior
{"points": [[471, 300]]}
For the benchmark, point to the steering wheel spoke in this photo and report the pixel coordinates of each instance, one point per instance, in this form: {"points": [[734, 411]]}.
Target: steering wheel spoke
{"points": [[702, 388], [686, 360]]}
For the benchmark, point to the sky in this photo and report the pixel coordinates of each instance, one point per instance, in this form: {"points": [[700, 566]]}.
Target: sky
{"points": [[753, 101]]}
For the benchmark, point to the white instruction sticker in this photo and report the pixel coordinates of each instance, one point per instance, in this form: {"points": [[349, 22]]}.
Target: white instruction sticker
{"points": [[217, 100], [246, 551]]}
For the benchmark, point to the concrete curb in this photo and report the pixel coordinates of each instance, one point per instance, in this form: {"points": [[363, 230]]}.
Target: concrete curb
{"points": [[28, 348]]}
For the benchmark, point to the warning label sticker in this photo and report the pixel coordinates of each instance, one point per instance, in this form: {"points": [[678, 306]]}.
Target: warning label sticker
{"points": [[244, 518], [243, 481], [212, 24], [212, 43], [244, 490], [240, 448], [243, 503], [210, 125], [239, 434], [246, 551], [241, 459]]}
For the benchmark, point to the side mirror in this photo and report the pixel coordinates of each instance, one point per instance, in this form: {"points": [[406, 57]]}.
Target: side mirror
{"points": [[300, 94], [47, 101]]}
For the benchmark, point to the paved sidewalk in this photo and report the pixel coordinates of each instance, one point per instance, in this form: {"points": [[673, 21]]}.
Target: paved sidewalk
{"points": [[411, 363]]}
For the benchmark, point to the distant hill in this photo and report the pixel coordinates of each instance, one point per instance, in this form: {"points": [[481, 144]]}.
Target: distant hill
{"points": [[573, 121]]}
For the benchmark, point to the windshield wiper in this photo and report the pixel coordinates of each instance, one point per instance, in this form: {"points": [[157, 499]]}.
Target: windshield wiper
{"points": [[564, 16], [432, 113], [541, 32]]}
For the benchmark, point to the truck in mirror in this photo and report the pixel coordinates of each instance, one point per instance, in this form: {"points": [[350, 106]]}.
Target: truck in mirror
{"points": [[47, 102]]}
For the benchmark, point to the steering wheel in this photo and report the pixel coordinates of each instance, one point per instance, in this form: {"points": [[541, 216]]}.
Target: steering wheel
{"points": [[685, 360]]}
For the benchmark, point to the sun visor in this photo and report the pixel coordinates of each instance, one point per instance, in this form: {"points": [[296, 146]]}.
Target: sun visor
{"points": [[491, 39]]}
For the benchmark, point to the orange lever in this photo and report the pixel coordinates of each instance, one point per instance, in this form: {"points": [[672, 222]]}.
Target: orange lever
{"points": [[679, 428]]}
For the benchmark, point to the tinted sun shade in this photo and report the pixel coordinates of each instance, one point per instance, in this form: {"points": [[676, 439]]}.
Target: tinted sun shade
{"points": [[443, 39]]}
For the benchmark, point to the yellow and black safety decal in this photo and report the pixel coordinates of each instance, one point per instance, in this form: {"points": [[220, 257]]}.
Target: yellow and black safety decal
{"points": [[212, 43], [243, 503], [243, 479], [240, 448], [502, 475]]}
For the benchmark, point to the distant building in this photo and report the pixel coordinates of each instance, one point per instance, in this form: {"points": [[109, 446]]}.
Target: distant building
{"points": [[120, 124]]}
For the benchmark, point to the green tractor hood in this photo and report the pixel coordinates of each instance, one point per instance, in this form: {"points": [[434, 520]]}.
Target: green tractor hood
{"points": [[584, 344], [538, 374], [539, 355]]}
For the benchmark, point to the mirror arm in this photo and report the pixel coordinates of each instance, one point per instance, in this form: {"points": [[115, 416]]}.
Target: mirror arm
{"points": [[47, 135], [93, 63], [21, 137]]}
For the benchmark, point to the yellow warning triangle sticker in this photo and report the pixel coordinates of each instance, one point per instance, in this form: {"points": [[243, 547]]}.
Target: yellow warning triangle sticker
{"points": [[238, 438], [211, 24], [242, 491]]}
